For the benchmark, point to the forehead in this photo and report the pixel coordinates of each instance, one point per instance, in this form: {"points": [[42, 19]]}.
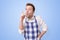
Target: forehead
{"points": [[29, 7]]}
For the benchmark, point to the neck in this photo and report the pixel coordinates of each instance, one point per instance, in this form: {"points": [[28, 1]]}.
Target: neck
{"points": [[30, 17]]}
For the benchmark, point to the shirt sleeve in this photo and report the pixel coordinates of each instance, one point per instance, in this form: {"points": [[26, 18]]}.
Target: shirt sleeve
{"points": [[42, 23], [20, 31]]}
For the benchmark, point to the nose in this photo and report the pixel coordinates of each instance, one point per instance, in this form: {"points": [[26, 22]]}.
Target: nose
{"points": [[27, 11]]}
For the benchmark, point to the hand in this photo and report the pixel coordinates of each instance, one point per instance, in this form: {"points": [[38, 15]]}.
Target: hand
{"points": [[22, 16], [38, 38], [21, 21]]}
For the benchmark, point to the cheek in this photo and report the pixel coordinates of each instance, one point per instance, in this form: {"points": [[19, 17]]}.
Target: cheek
{"points": [[30, 11]]}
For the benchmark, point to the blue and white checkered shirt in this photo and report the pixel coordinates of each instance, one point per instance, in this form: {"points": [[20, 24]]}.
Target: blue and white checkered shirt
{"points": [[32, 27]]}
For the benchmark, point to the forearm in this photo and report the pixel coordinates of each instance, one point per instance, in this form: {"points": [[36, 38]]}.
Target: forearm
{"points": [[41, 34], [21, 27]]}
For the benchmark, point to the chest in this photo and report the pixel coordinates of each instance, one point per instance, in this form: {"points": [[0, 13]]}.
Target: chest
{"points": [[31, 25]]}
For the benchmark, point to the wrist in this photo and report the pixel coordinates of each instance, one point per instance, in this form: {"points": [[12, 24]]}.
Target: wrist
{"points": [[39, 38], [39, 35], [21, 20]]}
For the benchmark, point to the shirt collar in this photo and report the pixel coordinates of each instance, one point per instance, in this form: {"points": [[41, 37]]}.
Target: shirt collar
{"points": [[31, 18]]}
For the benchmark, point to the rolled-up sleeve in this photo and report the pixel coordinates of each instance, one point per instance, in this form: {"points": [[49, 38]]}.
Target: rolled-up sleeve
{"points": [[44, 26], [20, 31], [42, 23]]}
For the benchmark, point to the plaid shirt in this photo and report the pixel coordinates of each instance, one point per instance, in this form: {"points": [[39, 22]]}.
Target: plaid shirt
{"points": [[35, 21], [31, 30]]}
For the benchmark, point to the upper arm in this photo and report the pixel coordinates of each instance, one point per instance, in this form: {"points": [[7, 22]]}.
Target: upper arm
{"points": [[41, 23]]}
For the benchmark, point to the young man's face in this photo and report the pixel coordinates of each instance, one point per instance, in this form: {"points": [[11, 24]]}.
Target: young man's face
{"points": [[29, 11]]}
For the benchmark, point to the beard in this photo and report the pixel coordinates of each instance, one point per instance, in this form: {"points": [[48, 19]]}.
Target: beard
{"points": [[27, 16]]}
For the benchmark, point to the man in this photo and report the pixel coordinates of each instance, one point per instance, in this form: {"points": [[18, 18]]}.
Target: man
{"points": [[30, 25]]}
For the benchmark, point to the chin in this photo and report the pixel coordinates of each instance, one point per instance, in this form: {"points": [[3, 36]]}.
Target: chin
{"points": [[27, 16]]}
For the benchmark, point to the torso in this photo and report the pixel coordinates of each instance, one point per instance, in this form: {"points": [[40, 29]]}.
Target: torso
{"points": [[31, 30]]}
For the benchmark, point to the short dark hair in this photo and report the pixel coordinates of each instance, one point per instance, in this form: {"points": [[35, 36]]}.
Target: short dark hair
{"points": [[30, 4]]}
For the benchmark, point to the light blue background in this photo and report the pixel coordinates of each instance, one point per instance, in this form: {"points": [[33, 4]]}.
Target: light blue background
{"points": [[10, 11]]}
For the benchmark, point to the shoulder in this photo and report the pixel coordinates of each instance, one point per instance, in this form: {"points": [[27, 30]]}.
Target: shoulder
{"points": [[38, 17]]}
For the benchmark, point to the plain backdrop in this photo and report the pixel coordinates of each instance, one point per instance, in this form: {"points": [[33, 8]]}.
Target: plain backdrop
{"points": [[10, 11]]}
